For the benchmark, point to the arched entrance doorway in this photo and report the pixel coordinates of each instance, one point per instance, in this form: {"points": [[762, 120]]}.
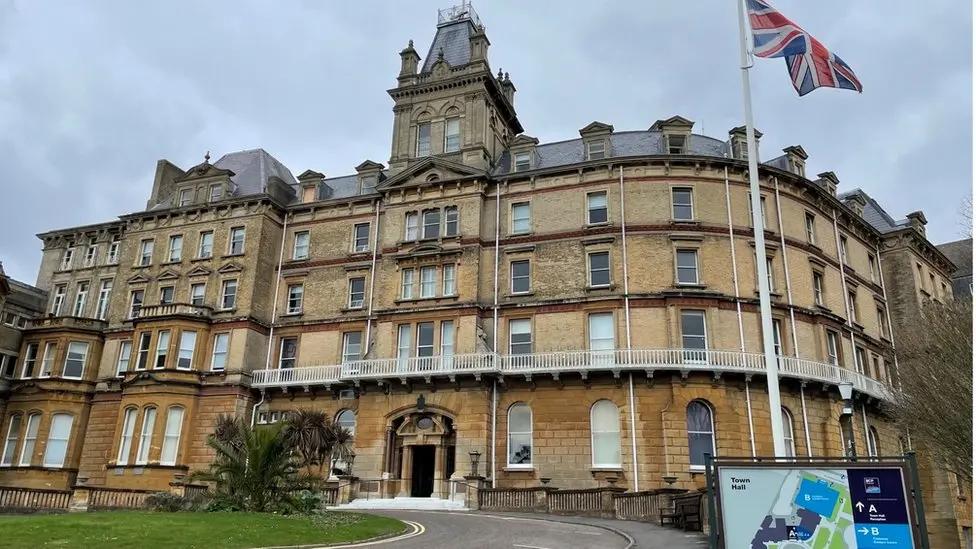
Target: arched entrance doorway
{"points": [[421, 452]]}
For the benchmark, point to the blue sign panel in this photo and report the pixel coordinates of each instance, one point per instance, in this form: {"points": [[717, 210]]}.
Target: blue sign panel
{"points": [[880, 508]]}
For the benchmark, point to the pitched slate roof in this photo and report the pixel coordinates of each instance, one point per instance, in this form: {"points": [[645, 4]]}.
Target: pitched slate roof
{"points": [[874, 214], [453, 39], [252, 168], [960, 253]]}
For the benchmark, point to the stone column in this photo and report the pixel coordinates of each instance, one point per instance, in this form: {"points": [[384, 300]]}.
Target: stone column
{"points": [[439, 467], [406, 471]]}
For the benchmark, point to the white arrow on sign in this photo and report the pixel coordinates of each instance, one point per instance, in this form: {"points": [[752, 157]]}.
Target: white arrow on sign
{"points": [[859, 505], [863, 530]]}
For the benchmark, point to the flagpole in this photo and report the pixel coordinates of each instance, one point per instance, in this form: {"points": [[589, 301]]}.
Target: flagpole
{"points": [[765, 307]]}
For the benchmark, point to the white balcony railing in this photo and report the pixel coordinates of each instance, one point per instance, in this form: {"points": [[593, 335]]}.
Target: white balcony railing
{"points": [[615, 360]]}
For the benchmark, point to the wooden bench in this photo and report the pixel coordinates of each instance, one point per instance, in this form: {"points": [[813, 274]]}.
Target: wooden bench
{"points": [[686, 513]]}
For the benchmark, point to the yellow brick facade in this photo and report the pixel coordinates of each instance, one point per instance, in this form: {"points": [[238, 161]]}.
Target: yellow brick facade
{"points": [[417, 290]]}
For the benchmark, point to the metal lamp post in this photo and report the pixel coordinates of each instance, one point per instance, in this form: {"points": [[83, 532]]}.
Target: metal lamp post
{"points": [[847, 393], [475, 457], [350, 459]]}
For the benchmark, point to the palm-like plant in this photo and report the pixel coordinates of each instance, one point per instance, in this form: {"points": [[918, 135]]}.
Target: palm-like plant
{"points": [[256, 469], [340, 445], [309, 432]]}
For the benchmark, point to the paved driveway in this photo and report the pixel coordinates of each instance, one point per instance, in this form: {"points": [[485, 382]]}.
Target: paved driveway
{"points": [[473, 530]]}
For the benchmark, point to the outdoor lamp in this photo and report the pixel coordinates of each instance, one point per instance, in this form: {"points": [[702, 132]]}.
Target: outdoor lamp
{"points": [[846, 389], [475, 457], [350, 459]]}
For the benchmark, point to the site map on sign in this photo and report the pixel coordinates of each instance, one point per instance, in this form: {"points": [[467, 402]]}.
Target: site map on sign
{"points": [[810, 509]]}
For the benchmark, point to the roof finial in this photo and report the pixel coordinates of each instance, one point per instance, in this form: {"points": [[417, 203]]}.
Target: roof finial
{"points": [[440, 53], [499, 73], [410, 44], [206, 157], [506, 77]]}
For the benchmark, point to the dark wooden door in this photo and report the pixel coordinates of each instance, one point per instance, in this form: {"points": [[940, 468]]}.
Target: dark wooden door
{"points": [[422, 476]]}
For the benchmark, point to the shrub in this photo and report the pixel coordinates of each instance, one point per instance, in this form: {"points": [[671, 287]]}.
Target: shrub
{"points": [[167, 502]]}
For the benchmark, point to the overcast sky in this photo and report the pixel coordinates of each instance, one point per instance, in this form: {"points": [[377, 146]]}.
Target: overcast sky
{"points": [[93, 93]]}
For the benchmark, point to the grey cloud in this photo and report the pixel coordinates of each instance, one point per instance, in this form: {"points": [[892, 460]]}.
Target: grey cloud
{"points": [[93, 93]]}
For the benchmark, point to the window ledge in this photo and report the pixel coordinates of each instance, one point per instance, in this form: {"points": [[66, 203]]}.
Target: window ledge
{"points": [[226, 256], [519, 469], [347, 310], [435, 299], [597, 225], [515, 295], [296, 314], [176, 262], [772, 293], [857, 325], [685, 286], [609, 287], [693, 222], [521, 235], [231, 310], [607, 469], [38, 468], [150, 465], [822, 308], [197, 259]]}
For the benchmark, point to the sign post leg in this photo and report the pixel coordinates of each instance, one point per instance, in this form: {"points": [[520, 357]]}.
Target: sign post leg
{"points": [[917, 497], [710, 496]]}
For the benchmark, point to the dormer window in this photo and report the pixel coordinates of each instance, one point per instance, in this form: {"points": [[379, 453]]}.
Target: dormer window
{"points": [[743, 151], [367, 184], [216, 192], [186, 197], [595, 150], [676, 143], [523, 161], [452, 135], [423, 139], [797, 167]]}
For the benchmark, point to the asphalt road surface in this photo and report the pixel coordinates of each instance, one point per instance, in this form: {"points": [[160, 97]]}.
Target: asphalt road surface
{"points": [[461, 530]]}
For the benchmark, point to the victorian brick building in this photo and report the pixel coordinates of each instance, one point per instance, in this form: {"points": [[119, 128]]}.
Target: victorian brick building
{"points": [[577, 310]]}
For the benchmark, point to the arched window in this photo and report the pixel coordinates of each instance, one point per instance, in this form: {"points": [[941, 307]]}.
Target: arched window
{"points": [[57, 440], [701, 433], [872, 441], [145, 437], [128, 430], [30, 437], [605, 434], [10, 443], [788, 439], [520, 436], [347, 419], [171, 436]]}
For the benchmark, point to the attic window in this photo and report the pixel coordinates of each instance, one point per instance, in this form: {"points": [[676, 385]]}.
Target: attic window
{"points": [[523, 161], [186, 197], [676, 144], [367, 184], [743, 150], [595, 150], [215, 192], [796, 167]]}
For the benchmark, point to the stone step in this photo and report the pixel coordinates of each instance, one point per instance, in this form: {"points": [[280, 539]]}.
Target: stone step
{"points": [[402, 503]]}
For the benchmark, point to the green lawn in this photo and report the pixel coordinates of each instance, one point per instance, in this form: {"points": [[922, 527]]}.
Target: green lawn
{"points": [[140, 530]]}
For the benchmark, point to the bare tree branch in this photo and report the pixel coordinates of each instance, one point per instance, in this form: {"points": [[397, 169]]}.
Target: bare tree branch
{"points": [[966, 212], [935, 399]]}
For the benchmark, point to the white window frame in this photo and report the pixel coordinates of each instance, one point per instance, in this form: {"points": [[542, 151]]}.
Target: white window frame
{"points": [[411, 227], [833, 353], [125, 358], [447, 344], [104, 294], [524, 327], [56, 449], [711, 432], [167, 294], [513, 278], [175, 248], [221, 351], [162, 350], [426, 223], [600, 436], [91, 254], [789, 435], [281, 354], [602, 337], [188, 345], [30, 439], [428, 281], [216, 192], [694, 355], [135, 307], [294, 299], [205, 248], [357, 300], [186, 197], [47, 361], [10, 441], [113, 253], [348, 346], [452, 133], [67, 259], [145, 435], [57, 302], [810, 226], [818, 292], [521, 218], [423, 142], [521, 161], [67, 358], [347, 419], [590, 208], [170, 449], [510, 432], [596, 149], [590, 270], [407, 283], [224, 294], [235, 237], [142, 351], [202, 286], [300, 247], [81, 299], [360, 244], [679, 268], [146, 252], [675, 192]]}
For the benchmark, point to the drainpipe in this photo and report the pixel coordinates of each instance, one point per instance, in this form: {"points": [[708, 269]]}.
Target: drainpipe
{"points": [[891, 329], [494, 332], [630, 375], [372, 278], [752, 434], [274, 311], [806, 424], [864, 416], [664, 434], [735, 273], [843, 284], [786, 270]]}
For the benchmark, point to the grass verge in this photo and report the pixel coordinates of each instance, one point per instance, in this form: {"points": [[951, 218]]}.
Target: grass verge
{"points": [[142, 529]]}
